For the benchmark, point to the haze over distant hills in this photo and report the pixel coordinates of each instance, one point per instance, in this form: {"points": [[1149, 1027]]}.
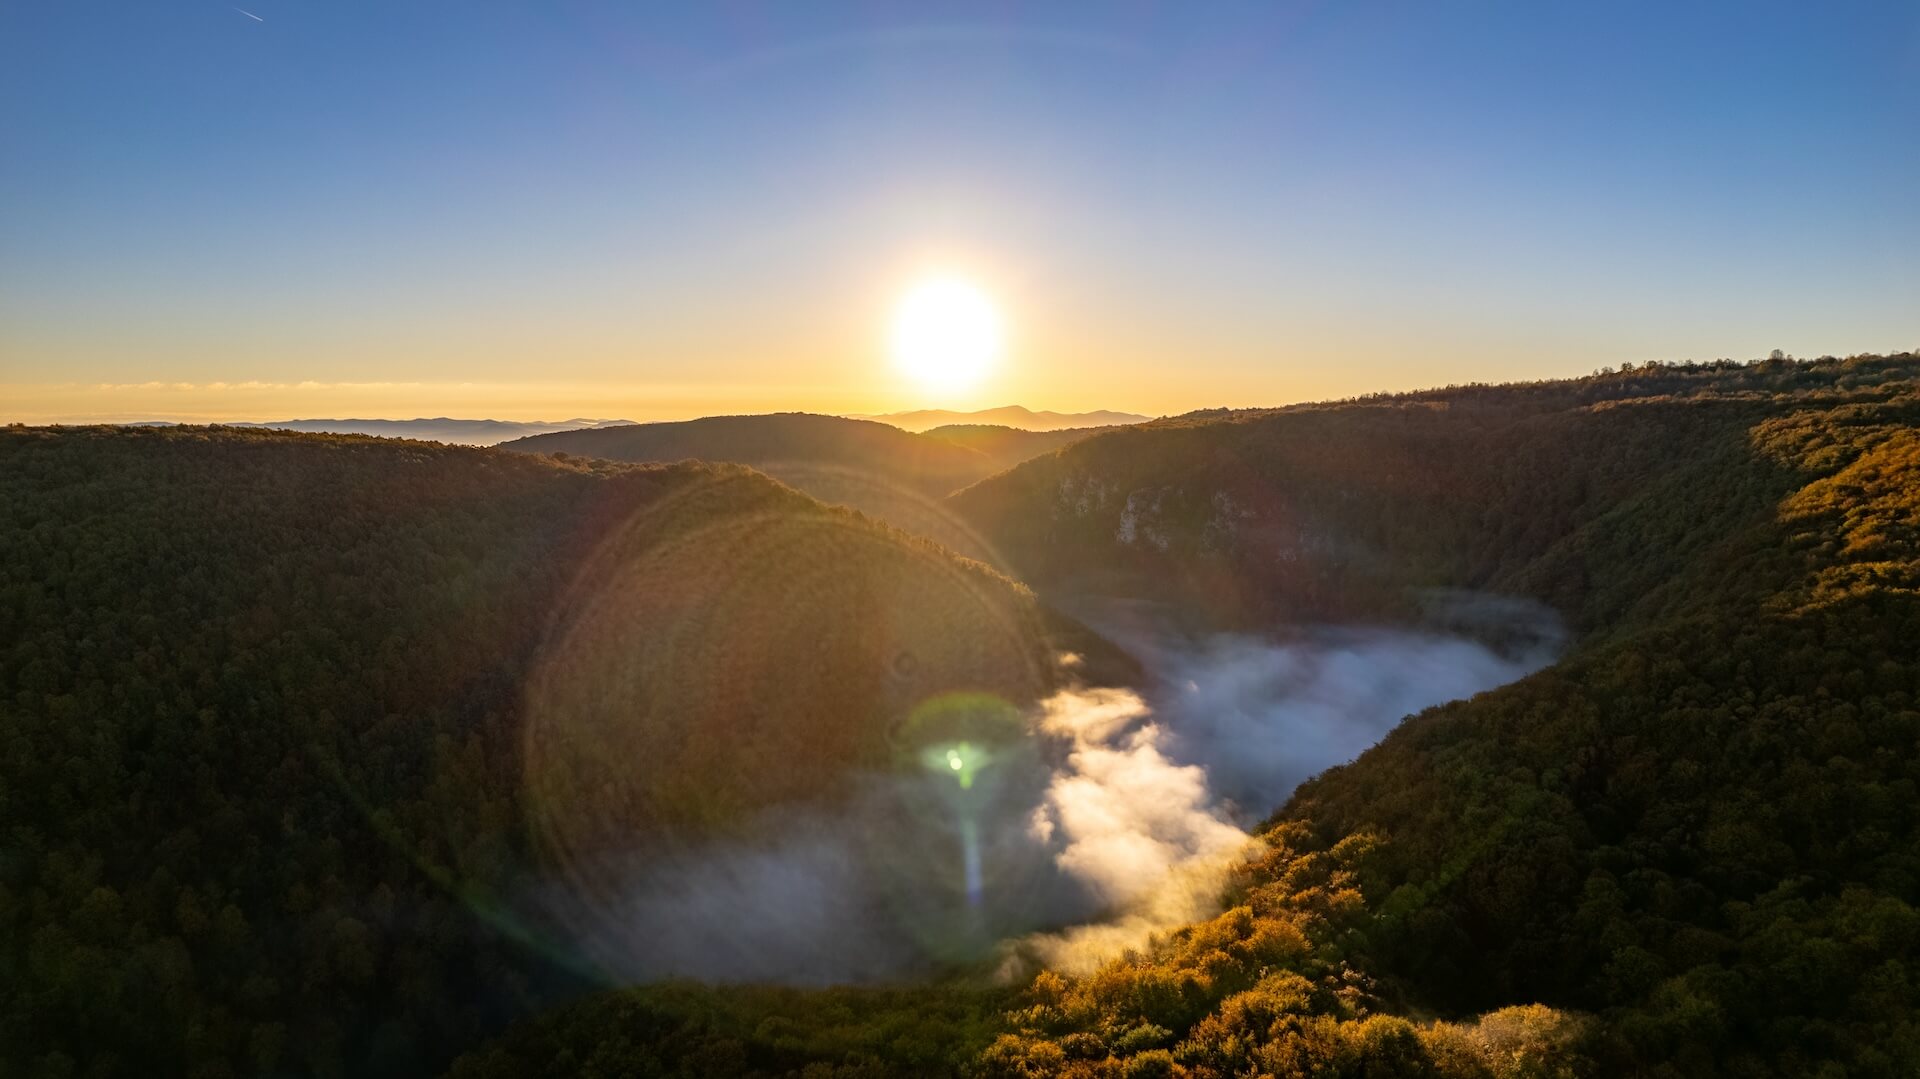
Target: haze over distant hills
{"points": [[438, 429], [1006, 416]]}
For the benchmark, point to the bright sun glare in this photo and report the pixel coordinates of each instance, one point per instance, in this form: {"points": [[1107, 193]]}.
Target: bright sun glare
{"points": [[946, 334]]}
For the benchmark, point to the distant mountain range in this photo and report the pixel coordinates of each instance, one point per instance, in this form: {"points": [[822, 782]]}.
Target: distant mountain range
{"points": [[1006, 416], [439, 428]]}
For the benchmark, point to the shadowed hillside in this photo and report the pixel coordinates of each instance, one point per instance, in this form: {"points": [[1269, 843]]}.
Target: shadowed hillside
{"points": [[298, 727], [1698, 828], [1613, 499]]}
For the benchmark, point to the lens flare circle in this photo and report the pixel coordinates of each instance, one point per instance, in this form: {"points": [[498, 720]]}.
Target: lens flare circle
{"points": [[733, 667]]}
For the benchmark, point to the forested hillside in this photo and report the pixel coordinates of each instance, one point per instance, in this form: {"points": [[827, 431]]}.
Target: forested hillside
{"points": [[290, 720], [1699, 829], [1615, 499], [1690, 848]]}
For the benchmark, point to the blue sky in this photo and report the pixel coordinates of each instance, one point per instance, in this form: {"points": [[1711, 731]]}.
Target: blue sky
{"points": [[424, 206]]}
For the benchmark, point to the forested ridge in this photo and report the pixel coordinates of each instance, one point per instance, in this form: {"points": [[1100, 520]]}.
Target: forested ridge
{"points": [[264, 784], [1694, 839], [1616, 499]]}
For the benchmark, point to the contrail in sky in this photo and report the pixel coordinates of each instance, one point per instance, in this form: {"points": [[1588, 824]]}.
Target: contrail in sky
{"points": [[249, 14]]}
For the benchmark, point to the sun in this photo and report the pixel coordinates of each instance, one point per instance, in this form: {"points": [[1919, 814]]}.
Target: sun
{"points": [[946, 333]]}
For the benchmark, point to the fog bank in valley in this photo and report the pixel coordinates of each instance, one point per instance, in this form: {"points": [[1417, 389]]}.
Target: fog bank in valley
{"points": [[1117, 821], [1262, 717]]}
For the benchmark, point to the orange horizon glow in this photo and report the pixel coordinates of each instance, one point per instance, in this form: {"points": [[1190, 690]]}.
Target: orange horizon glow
{"points": [[827, 348], [884, 389]]}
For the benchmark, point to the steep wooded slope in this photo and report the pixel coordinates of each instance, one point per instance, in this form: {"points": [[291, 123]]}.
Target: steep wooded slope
{"points": [[1699, 829], [1615, 499], [288, 719]]}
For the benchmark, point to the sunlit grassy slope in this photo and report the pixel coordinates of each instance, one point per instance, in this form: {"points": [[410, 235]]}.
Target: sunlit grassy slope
{"points": [[290, 719]]}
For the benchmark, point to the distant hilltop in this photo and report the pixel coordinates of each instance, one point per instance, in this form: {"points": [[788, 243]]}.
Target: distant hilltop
{"points": [[1007, 416], [440, 428]]}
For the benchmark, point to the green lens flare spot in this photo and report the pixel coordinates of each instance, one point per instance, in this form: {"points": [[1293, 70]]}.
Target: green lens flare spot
{"points": [[959, 735], [961, 760]]}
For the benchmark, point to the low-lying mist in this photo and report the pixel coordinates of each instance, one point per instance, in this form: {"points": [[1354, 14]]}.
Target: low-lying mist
{"points": [[1117, 818], [1262, 718]]}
